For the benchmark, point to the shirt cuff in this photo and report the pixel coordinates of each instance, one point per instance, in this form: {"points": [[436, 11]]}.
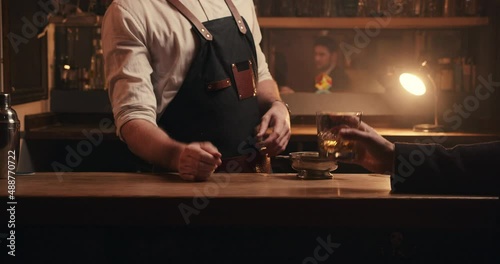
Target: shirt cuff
{"points": [[120, 122]]}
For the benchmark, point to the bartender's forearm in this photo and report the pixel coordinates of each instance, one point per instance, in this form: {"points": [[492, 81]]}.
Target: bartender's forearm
{"points": [[267, 93], [152, 144]]}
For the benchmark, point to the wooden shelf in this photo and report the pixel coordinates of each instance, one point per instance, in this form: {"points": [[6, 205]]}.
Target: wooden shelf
{"points": [[87, 20], [371, 22], [322, 22]]}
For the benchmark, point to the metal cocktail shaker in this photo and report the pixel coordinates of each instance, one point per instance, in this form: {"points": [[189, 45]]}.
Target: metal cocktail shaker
{"points": [[9, 137]]}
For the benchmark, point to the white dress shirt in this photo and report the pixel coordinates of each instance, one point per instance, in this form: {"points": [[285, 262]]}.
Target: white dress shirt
{"points": [[148, 48]]}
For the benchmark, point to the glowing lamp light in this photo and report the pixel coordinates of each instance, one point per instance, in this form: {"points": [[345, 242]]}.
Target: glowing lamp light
{"points": [[412, 83]]}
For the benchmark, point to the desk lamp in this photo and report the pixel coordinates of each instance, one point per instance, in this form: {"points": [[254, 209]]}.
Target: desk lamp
{"points": [[415, 83]]}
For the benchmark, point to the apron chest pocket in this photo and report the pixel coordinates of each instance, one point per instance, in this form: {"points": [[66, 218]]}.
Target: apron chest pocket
{"points": [[245, 79]]}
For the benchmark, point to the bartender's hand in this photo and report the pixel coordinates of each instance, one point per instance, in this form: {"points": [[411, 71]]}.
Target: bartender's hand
{"points": [[277, 118], [373, 152], [198, 161]]}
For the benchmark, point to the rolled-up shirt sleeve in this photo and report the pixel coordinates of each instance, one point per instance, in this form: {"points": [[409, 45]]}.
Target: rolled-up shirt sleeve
{"points": [[127, 67], [263, 70]]}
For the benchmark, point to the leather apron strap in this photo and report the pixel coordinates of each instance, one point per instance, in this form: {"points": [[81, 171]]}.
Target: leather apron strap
{"points": [[237, 16], [200, 27], [192, 18]]}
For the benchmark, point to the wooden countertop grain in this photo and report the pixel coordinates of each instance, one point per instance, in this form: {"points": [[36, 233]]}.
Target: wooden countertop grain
{"points": [[351, 200]]}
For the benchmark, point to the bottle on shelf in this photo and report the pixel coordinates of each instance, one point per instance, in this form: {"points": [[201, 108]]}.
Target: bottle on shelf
{"points": [[450, 8], [446, 75], [432, 8], [349, 8], [397, 8], [471, 7], [96, 74], [458, 74], [468, 74], [329, 8], [362, 9], [67, 66], [372, 8], [9, 137]]}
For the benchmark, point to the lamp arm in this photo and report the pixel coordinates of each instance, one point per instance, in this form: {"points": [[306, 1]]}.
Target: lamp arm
{"points": [[435, 90]]}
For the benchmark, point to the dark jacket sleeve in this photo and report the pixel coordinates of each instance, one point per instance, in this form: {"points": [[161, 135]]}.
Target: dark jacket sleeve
{"points": [[431, 168]]}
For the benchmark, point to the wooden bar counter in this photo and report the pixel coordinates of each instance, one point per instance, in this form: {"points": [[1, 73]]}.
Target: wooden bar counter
{"points": [[98, 217], [348, 200]]}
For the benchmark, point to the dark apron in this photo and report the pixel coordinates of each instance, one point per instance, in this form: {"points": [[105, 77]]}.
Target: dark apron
{"points": [[217, 101]]}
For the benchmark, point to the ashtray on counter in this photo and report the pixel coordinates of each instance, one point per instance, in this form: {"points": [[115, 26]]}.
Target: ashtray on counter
{"points": [[309, 165]]}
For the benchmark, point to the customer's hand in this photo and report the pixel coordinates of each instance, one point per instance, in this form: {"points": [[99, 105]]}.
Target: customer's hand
{"points": [[277, 118], [198, 161], [373, 152]]}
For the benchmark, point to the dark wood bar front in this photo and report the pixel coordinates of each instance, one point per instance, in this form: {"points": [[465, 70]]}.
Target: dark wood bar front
{"points": [[97, 217]]}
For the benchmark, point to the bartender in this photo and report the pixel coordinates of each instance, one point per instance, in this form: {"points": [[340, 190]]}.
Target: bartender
{"points": [[190, 87]]}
